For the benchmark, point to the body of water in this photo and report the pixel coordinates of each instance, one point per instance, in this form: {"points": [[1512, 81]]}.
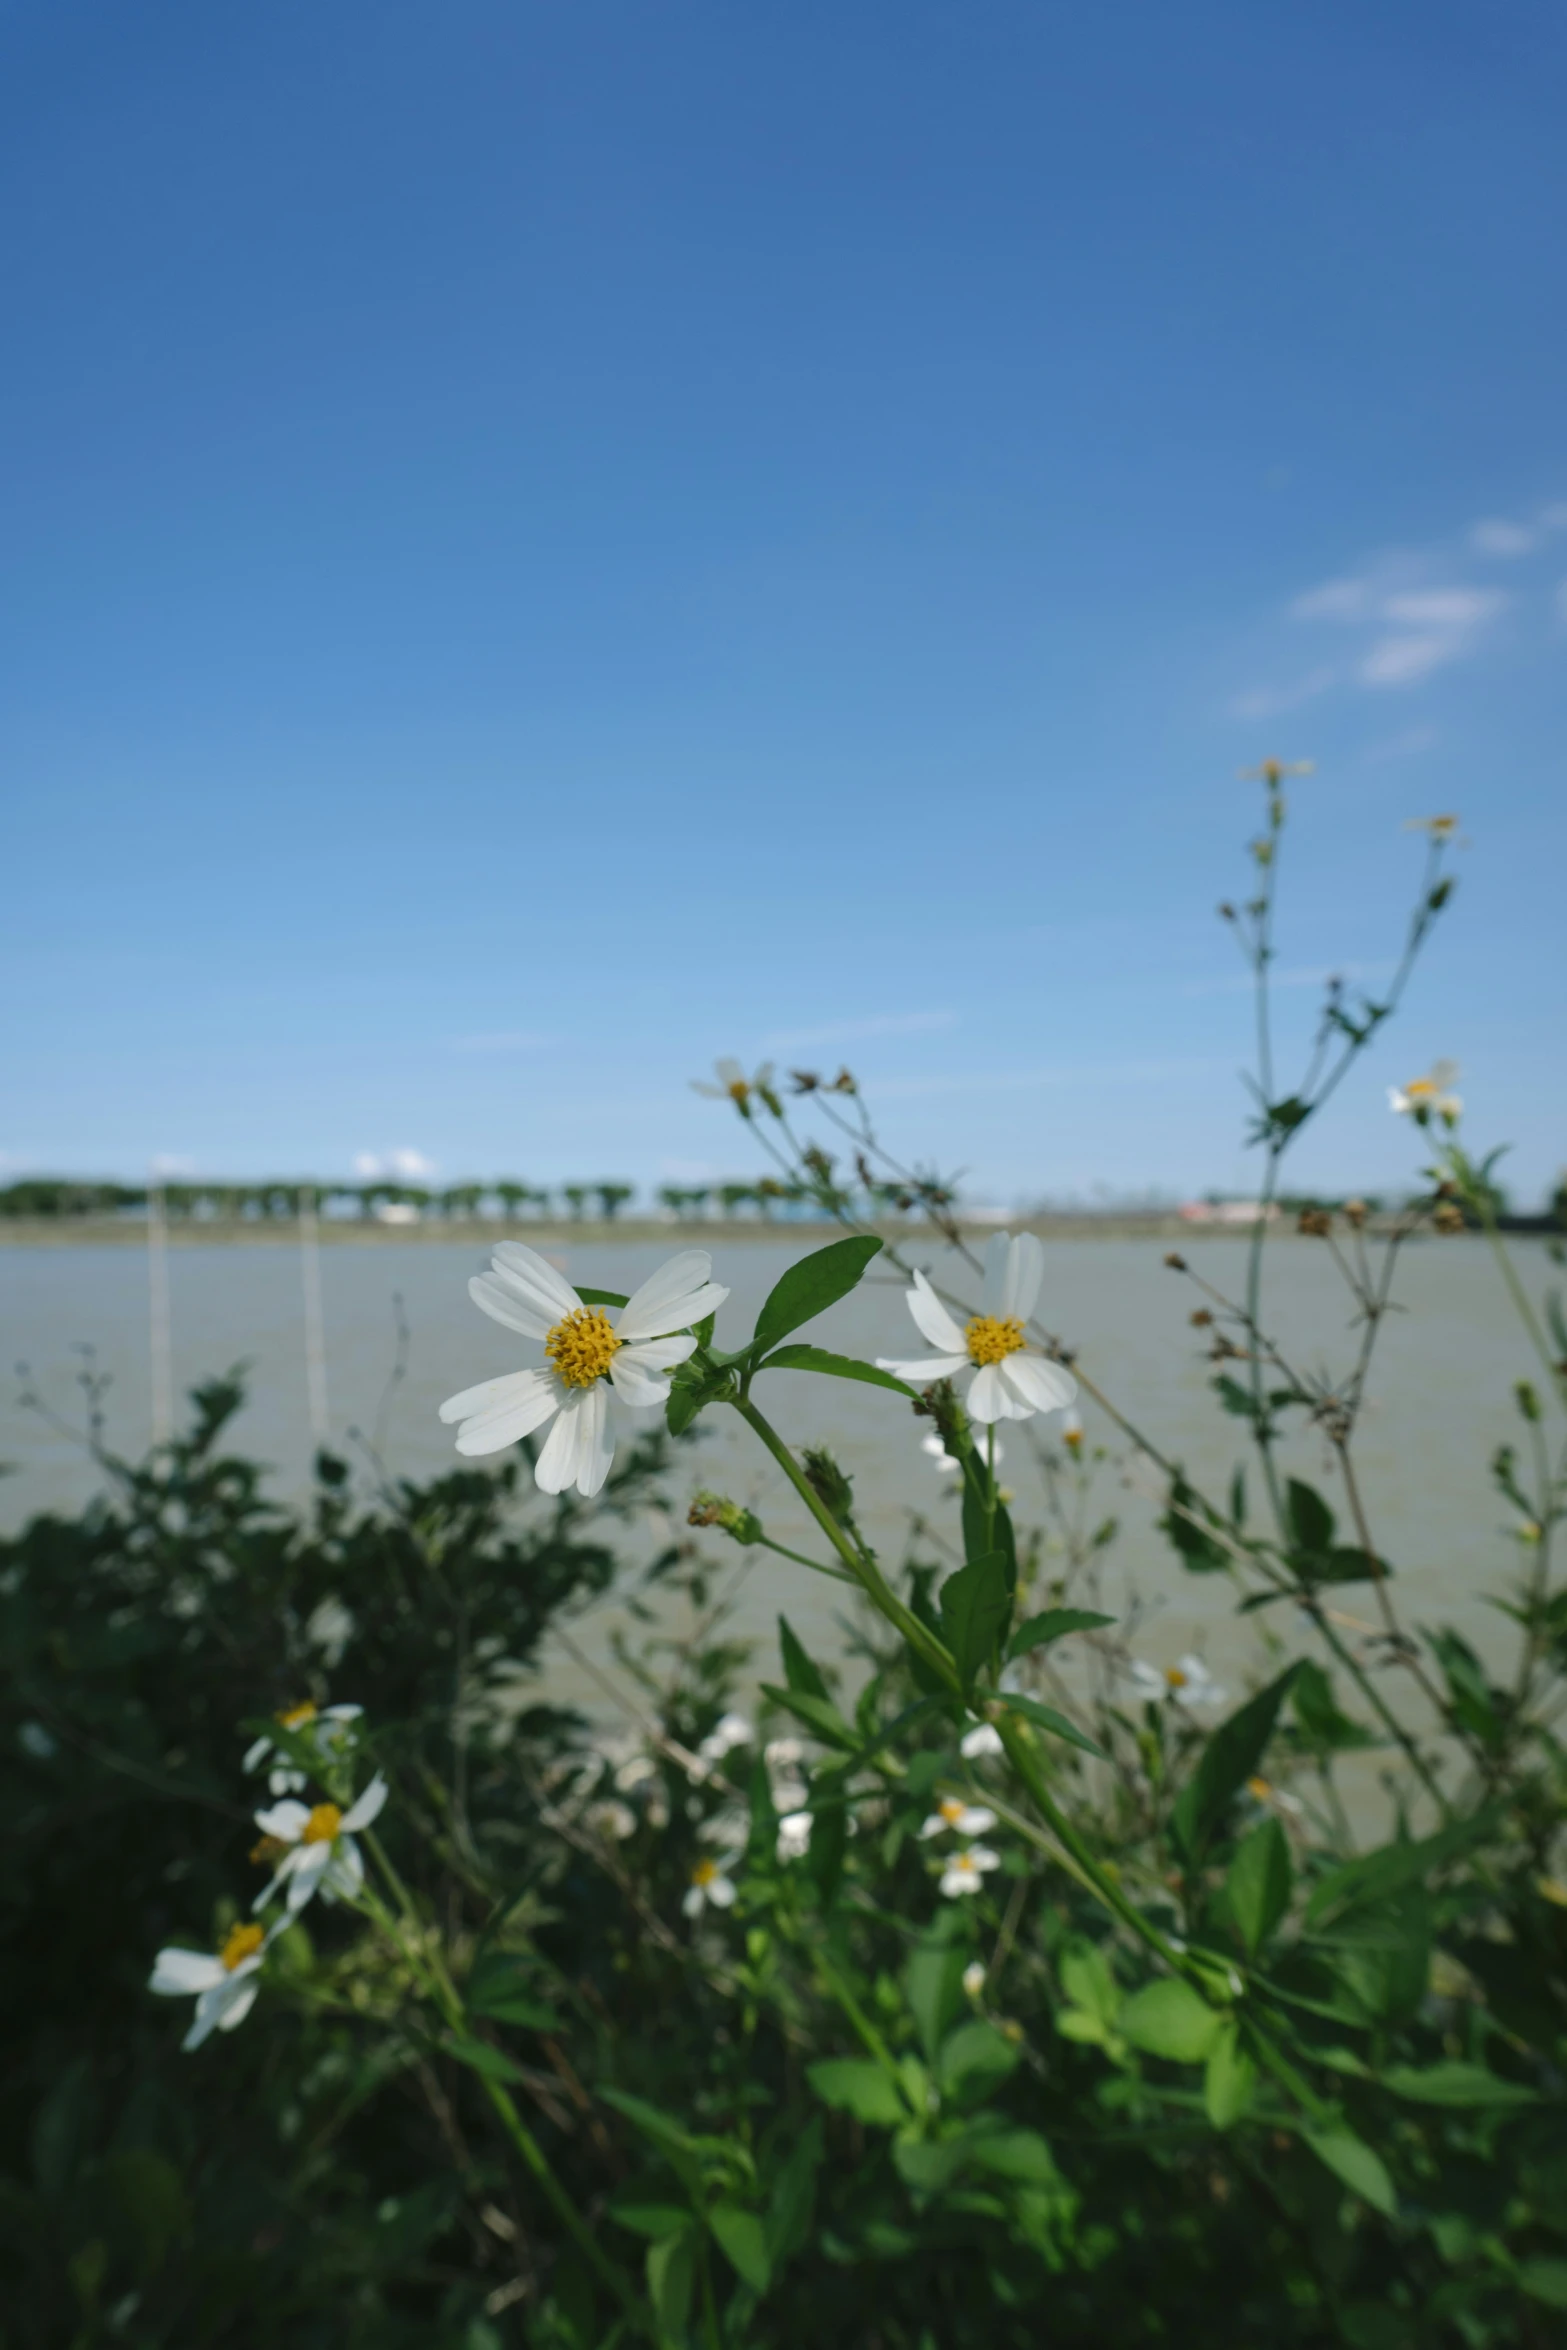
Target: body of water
{"points": [[1440, 1399]]}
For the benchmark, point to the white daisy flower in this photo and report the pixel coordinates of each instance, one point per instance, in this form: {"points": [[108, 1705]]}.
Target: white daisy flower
{"points": [[952, 1815], [734, 1086], [590, 1356], [1428, 1097], [728, 1732], [1188, 1683], [974, 1979], [1009, 1383], [708, 1885], [966, 1871], [790, 1793], [609, 1817], [794, 1835], [983, 1739], [783, 1754], [224, 1983], [317, 1847], [326, 1735], [1277, 1799]]}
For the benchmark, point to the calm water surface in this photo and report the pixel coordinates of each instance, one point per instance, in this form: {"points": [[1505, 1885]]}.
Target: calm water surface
{"points": [[1441, 1399]]}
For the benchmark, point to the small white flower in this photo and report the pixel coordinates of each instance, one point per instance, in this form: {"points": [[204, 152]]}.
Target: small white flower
{"points": [[974, 1979], [1431, 1096], [224, 1983], [966, 1871], [794, 1835], [319, 1851], [709, 1886], [952, 1816], [982, 1740], [1188, 1683], [1009, 1383], [609, 1818], [734, 1085], [590, 1358], [1277, 1799], [1439, 827], [327, 1734], [783, 1754], [728, 1732], [790, 1792]]}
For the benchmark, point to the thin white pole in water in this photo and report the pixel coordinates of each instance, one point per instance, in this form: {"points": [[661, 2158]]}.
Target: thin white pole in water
{"points": [[160, 1344], [315, 1318]]}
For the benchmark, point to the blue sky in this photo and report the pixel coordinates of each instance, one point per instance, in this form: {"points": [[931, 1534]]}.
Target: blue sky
{"points": [[546, 544]]}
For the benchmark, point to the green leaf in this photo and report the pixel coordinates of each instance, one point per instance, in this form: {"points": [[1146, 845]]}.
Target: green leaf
{"points": [[1259, 1882], [1377, 1874], [1022, 2155], [974, 2061], [1350, 2159], [976, 1604], [656, 2221], [150, 2195], [986, 1527], [794, 2195], [1229, 1759], [1317, 1711], [480, 2057], [501, 1986], [660, 2128], [600, 1297], [1309, 1517], [1544, 2280], [810, 1287], [1199, 1553], [1169, 2018], [831, 1366], [1045, 1717], [1230, 2078], [818, 1714], [800, 1671], [1088, 1982], [1455, 2084], [671, 2273], [933, 1982], [1054, 1624], [743, 2241], [1345, 1565], [852, 2084]]}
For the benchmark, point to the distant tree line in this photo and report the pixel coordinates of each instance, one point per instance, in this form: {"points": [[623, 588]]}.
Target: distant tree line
{"points": [[503, 1200]]}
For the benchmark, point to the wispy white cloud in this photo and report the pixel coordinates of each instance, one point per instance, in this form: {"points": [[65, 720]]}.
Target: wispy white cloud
{"points": [[1270, 701], [1502, 538], [1404, 745], [500, 1040], [834, 1032]]}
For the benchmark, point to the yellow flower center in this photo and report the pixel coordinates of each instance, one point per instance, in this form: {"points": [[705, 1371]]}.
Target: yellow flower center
{"points": [[298, 1715], [242, 1942], [704, 1872], [966, 1865], [1260, 1788], [582, 1347], [950, 1809], [990, 1339], [323, 1824], [1176, 1678], [1420, 1089], [739, 1091]]}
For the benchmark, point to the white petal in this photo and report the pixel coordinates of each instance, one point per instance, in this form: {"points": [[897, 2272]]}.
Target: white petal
{"points": [[286, 1821], [679, 1293], [209, 2014], [1044, 1386], [638, 1376], [986, 1739], [557, 1465], [491, 1395], [493, 1431], [368, 1807], [256, 1753], [345, 1873], [976, 1820], [500, 1301], [933, 1367], [720, 1892], [177, 1973], [534, 1277], [236, 2009], [692, 1904], [308, 1870], [1013, 1272], [990, 1398], [341, 1713], [983, 1858], [997, 1255], [596, 1443], [932, 1319]]}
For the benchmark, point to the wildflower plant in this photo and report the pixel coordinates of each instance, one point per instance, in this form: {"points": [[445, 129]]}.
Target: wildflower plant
{"points": [[1000, 1979]]}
